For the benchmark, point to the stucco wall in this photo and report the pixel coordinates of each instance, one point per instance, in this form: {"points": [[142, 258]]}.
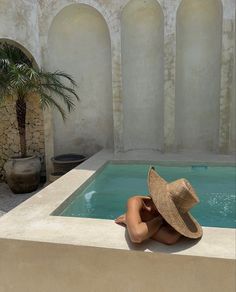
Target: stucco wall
{"points": [[39, 266], [19, 22], [98, 51], [233, 102], [142, 52], [198, 58], [135, 123]]}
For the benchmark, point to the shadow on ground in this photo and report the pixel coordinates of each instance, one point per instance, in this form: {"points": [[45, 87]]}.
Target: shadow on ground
{"points": [[8, 200]]}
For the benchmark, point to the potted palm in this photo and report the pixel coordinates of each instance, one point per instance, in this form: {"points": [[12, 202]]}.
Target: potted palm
{"points": [[19, 78]]}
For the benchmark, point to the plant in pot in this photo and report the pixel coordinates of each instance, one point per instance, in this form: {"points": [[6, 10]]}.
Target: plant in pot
{"points": [[19, 79]]}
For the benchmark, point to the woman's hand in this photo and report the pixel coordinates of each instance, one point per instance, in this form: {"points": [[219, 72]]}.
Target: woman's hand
{"points": [[121, 220]]}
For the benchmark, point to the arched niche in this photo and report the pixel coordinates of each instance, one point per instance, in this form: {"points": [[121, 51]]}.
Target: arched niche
{"points": [[198, 57], [142, 40], [79, 44]]}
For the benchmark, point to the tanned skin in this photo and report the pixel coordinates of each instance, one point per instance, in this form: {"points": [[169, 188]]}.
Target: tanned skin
{"points": [[143, 221]]}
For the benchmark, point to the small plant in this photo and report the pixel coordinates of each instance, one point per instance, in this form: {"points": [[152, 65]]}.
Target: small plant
{"points": [[20, 79]]}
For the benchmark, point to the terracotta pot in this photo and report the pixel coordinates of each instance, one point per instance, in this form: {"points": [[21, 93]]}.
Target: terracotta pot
{"points": [[23, 174]]}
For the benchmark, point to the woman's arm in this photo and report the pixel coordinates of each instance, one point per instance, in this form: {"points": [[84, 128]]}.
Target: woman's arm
{"points": [[122, 218], [167, 235], [138, 230]]}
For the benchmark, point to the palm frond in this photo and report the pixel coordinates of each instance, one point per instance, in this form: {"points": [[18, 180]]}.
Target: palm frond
{"points": [[67, 99], [52, 83], [21, 77], [64, 75], [13, 54], [16, 78], [4, 63], [48, 102]]}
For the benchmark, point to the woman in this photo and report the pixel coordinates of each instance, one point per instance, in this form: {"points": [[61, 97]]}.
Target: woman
{"points": [[164, 215]]}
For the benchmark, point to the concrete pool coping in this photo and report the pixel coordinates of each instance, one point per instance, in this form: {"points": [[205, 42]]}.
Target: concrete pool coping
{"points": [[31, 221]]}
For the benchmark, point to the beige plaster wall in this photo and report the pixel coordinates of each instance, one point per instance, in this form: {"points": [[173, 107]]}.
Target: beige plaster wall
{"points": [[19, 22], [30, 24], [219, 130], [233, 102], [198, 56], [142, 52], [30, 266], [79, 43], [227, 82], [9, 138]]}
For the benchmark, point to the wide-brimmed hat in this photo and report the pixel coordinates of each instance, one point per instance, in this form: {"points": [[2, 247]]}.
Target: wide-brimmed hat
{"points": [[173, 201]]}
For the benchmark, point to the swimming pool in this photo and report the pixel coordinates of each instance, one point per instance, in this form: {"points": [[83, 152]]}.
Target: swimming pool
{"points": [[105, 195]]}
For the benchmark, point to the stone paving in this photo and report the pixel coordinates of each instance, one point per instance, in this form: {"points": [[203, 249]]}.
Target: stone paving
{"points": [[8, 200]]}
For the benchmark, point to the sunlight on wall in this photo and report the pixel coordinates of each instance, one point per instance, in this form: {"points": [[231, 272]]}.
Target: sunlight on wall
{"points": [[198, 59], [233, 102], [142, 38]]}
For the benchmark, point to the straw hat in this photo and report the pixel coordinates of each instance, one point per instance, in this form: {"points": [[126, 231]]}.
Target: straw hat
{"points": [[173, 201]]}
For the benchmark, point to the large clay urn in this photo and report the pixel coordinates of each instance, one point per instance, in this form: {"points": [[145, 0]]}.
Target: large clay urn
{"points": [[23, 174]]}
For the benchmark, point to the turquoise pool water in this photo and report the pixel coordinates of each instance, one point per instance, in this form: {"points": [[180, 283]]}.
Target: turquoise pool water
{"points": [[106, 195]]}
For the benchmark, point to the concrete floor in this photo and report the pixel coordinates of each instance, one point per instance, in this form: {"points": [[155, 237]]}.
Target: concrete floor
{"points": [[8, 200]]}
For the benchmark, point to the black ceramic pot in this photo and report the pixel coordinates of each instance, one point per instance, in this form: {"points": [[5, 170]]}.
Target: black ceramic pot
{"points": [[65, 162]]}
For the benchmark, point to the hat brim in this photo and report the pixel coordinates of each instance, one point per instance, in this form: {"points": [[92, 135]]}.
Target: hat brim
{"points": [[184, 223]]}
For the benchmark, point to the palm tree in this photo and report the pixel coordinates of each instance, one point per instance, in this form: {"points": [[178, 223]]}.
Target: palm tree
{"points": [[20, 79]]}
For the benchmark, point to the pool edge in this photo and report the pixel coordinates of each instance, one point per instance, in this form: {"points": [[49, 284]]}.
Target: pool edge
{"points": [[32, 221]]}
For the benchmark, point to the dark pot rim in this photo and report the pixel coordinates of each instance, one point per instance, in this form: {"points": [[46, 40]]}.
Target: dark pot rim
{"points": [[68, 158]]}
